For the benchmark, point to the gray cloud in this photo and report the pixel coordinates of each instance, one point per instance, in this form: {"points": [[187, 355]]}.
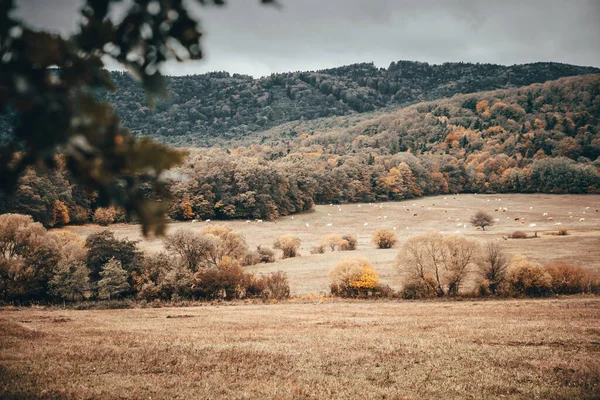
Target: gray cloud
{"points": [[248, 38]]}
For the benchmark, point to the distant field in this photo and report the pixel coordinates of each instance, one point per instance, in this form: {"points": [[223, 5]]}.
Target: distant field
{"points": [[308, 273], [325, 349]]}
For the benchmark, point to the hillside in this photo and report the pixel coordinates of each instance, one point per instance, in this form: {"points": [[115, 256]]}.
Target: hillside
{"points": [[219, 107], [537, 138]]}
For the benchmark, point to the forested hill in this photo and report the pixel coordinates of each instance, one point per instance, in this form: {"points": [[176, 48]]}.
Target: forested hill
{"points": [[219, 107], [536, 138]]}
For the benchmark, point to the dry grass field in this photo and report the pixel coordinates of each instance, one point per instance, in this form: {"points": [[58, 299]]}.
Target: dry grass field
{"points": [[308, 273], [322, 349], [314, 346]]}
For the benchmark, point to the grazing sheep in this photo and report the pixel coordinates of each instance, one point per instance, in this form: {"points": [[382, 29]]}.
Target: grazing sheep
{"points": [[248, 221], [557, 224], [459, 225], [545, 214], [581, 219], [365, 224], [497, 220], [307, 225], [385, 217], [208, 220], [517, 219], [549, 219], [329, 225], [379, 217], [259, 221], [532, 225], [414, 215], [194, 221]]}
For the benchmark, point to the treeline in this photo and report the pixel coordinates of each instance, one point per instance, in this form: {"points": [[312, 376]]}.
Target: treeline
{"points": [[541, 138], [220, 108], [37, 265]]}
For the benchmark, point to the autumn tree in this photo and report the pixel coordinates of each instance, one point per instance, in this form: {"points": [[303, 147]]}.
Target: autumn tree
{"points": [[60, 214], [228, 243], [384, 238], [334, 241], [28, 255], [288, 244], [186, 208], [104, 216], [352, 276], [482, 219]]}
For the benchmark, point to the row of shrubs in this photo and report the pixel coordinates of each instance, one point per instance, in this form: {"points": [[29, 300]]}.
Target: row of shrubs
{"points": [[433, 265], [37, 265]]}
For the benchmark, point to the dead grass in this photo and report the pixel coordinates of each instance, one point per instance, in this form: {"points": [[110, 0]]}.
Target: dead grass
{"points": [[308, 273], [323, 349]]}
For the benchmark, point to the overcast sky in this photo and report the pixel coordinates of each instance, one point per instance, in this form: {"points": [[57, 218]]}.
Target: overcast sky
{"points": [[247, 38]]}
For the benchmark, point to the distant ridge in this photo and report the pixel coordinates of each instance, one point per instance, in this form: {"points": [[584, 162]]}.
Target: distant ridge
{"points": [[219, 107]]}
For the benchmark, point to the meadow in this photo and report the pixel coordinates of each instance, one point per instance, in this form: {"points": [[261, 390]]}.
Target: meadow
{"points": [[317, 346], [449, 214], [324, 348]]}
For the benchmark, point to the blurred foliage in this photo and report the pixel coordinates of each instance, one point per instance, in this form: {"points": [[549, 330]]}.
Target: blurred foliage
{"points": [[48, 86]]}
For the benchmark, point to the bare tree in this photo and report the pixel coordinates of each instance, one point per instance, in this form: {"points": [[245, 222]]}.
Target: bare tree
{"points": [[192, 247], [459, 254], [431, 259], [482, 219], [493, 265]]}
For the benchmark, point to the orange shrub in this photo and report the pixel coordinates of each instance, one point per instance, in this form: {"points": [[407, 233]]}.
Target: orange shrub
{"points": [[569, 279]]}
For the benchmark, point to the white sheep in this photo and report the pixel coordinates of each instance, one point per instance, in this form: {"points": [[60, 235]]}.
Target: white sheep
{"points": [[329, 225], [365, 224], [581, 219], [194, 221], [208, 220], [532, 225], [307, 225], [545, 214]]}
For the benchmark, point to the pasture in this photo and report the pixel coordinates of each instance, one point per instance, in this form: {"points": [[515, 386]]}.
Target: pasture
{"points": [[449, 214], [314, 346], [325, 349]]}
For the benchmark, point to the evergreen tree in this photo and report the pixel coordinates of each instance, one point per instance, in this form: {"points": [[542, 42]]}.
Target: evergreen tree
{"points": [[114, 280]]}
